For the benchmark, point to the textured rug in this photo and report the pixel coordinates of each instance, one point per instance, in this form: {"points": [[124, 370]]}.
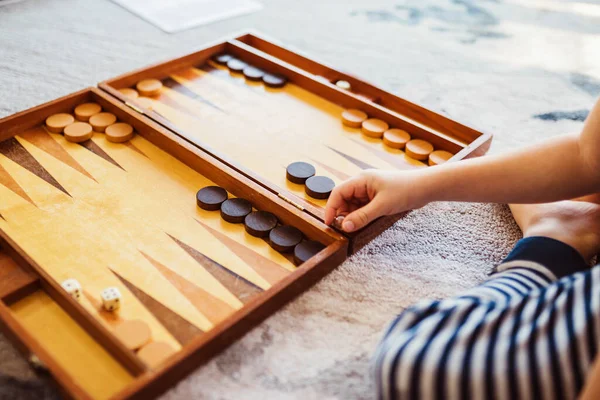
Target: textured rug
{"points": [[522, 69]]}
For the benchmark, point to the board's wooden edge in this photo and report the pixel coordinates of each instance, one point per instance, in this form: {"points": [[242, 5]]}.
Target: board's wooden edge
{"points": [[204, 348], [476, 149], [29, 347], [309, 63], [12, 124]]}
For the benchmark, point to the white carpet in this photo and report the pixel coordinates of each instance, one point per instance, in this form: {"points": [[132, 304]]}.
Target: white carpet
{"points": [[522, 69]]}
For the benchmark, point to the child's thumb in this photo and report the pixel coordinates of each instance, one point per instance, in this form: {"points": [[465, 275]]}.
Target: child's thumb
{"points": [[360, 218]]}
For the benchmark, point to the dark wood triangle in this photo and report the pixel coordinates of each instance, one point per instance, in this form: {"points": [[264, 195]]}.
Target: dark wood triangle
{"points": [[214, 309], [184, 90], [341, 175], [179, 327], [355, 161], [42, 140], [14, 150], [8, 181], [134, 148], [97, 150], [267, 269], [237, 285]]}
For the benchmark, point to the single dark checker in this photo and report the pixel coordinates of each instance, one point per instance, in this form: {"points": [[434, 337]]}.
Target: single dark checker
{"points": [[222, 58], [305, 250], [235, 210], [260, 223], [319, 187], [236, 65], [274, 81], [299, 172], [211, 197], [253, 73], [284, 238]]}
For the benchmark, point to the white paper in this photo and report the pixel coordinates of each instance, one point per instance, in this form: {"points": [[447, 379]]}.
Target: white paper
{"points": [[177, 15]]}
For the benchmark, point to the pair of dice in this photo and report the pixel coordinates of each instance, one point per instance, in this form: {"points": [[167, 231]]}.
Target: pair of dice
{"points": [[111, 296]]}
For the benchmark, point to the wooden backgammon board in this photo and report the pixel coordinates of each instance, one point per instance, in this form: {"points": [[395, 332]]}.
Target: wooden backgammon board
{"points": [[118, 275]]}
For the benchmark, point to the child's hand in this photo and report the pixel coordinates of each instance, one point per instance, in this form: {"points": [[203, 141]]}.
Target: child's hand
{"points": [[372, 194]]}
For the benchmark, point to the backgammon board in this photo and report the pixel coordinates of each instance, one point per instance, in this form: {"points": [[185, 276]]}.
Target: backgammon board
{"points": [[125, 215]]}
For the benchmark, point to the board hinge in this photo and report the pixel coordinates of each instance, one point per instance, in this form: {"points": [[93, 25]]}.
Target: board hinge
{"points": [[134, 107], [290, 201]]}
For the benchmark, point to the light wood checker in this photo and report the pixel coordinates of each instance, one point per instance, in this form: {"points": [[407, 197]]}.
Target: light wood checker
{"points": [[125, 215], [263, 130], [87, 363]]}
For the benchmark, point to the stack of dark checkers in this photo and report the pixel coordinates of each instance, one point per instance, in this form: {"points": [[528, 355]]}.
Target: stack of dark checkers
{"points": [[251, 72], [303, 173], [262, 224]]}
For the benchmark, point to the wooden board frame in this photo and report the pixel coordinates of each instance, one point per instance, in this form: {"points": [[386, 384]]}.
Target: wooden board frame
{"points": [[151, 383], [303, 71]]}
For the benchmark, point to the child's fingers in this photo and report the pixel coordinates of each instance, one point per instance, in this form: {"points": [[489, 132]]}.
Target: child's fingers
{"points": [[361, 217], [338, 200]]}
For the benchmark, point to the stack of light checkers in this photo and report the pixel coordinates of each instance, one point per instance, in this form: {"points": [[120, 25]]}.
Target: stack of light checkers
{"points": [[394, 138], [137, 337], [251, 73], [262, 224], [88, 119], [303, 173], [146, 89], [134, 334]]}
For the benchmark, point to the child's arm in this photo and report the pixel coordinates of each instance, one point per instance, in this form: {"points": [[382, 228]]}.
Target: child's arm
{"points": [[557, 169]]}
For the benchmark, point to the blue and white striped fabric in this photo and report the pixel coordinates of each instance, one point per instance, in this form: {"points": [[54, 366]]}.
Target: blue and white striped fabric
{"points": [[523, 334]]}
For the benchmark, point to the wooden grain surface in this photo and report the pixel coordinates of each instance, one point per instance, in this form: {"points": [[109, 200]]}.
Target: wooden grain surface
{"points": [[496, 65]]}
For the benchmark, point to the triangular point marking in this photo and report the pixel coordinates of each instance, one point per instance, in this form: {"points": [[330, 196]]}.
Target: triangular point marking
{"points": [[182, 330], [184, 90], [14, 150], [267, 269], [237, 285], [214, 309], [41, 139], [355, 161], [97, 150], [341, 175], [134, 148], [7, 180]]}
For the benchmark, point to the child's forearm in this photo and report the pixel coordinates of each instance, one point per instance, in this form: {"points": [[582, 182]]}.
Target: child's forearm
{"points": [[561, 168]]}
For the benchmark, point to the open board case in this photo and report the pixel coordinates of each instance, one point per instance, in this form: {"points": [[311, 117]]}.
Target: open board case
{"points": [[125, 215]]}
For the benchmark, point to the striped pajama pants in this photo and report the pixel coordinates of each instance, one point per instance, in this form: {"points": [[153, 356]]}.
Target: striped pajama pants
{"points": [[529, 332]]}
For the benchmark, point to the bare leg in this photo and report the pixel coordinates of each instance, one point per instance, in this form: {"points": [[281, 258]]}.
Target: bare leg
{"points": [[576, 223]]}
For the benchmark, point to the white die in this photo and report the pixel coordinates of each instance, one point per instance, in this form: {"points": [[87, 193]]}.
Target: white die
{"points": [[72, 287], [111, 298]]}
